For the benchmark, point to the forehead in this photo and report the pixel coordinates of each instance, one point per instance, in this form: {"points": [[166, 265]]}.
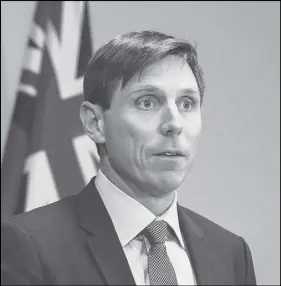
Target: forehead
{"points": [[172, 72]]}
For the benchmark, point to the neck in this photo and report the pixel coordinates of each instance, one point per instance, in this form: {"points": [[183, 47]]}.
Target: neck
{"points": [[157, 205]]}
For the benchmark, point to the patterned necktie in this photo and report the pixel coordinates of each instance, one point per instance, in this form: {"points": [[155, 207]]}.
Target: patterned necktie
{"points": [[161, 271]]}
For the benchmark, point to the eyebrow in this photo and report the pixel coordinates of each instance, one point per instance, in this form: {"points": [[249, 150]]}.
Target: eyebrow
{"points": [[149, 88], [152, 88]]}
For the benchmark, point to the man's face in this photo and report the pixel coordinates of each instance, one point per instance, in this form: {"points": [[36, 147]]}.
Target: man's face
{"points": [[153, 125]]}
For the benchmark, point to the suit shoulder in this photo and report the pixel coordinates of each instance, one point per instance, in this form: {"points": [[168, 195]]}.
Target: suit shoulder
{"points": [[48, 217], [210, 228]]}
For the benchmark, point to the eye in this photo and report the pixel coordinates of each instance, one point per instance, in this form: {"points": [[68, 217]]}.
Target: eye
{"points": [[146, 104], [186, 104]]}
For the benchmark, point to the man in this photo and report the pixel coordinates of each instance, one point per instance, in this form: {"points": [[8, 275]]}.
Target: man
{"points": [[143, 94]]}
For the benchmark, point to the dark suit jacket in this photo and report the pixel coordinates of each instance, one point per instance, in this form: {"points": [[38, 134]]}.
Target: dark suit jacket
{"points": [[73, 241]]}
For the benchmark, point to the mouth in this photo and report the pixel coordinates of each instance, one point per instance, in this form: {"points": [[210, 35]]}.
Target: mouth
{"points": [[170, 154]]}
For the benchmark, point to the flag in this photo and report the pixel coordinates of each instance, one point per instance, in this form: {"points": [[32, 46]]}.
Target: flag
{"points": [[47, 155]]}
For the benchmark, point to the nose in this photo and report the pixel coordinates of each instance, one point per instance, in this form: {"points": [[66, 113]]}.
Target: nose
{"points": [[172, 122]]}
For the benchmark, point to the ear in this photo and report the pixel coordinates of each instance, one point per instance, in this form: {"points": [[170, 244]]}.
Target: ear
{"points": [[92, 117]]}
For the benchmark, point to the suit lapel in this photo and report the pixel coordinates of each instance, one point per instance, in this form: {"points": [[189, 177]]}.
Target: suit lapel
{"points": [[102, 238], [202, 256]]}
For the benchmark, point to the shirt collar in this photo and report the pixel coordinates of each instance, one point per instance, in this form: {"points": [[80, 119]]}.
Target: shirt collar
{"points": [[129, 217]]}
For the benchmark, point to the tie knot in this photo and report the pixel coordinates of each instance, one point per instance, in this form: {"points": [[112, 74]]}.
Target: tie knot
{"points": [[156, 232]]}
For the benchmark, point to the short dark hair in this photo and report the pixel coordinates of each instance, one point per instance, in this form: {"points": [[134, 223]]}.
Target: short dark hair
{"points": [[125, 55]]}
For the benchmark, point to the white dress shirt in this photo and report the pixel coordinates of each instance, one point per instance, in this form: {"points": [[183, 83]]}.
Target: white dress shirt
{"points": [[129, 218]]}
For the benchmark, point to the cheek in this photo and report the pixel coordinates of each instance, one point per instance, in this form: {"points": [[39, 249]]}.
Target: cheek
{"points": [[140, 133], [129, 133], [193, 126], [137, 127]]}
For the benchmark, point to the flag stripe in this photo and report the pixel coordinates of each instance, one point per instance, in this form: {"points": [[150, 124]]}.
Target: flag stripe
{"points": [[24, 112], [32, 44], [86, 45], [38, 35], [42, 14], [55, 15], [29, 77], [19, 207], [33, 60], [27, 89]]}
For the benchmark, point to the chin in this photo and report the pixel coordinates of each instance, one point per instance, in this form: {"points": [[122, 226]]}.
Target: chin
{"points": [[169, 182]]}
